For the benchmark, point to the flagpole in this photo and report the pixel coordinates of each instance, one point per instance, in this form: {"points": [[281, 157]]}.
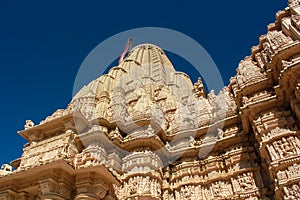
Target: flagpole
{"points": [[127, 47]]}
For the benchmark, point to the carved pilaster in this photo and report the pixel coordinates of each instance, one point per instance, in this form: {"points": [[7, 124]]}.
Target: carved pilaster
{"points": [[8, 194], [91, 186], [51, 189]]}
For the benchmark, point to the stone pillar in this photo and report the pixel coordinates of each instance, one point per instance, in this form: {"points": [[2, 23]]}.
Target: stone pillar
{"points": [[90, 186], [8, 194], [51, 189], [23, 196], [137, 185]]}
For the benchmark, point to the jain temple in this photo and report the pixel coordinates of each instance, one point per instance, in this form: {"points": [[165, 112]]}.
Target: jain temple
{"points": [[144, 131]]}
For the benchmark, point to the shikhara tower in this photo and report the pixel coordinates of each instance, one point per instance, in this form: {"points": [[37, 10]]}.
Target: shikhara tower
{"points": [[144, 131]]}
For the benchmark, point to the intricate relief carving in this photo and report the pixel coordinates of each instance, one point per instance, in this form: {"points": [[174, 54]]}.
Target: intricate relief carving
{"points": [[165, 98], [248, 73], [190, 192], [184, 117], [262, 58], [257, 97], [144, 161], [91, 156], [244, 182], [86, 106], [52, 187], [292, 172], [57, 114], [118, 104], [167, 196], [103, 106], [140, 104], [48, 150], [231, 107], [284, 148], [291, 192], [139, 186], [222, 189], [114, 134], [230, 131], [216, 190], [277, 39], [230, 170], [204, 112], [273, 119], [275, 133]]}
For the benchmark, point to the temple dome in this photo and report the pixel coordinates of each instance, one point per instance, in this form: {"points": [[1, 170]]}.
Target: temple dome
{"points": [[146, 54], [145, 76], [145, 57]]}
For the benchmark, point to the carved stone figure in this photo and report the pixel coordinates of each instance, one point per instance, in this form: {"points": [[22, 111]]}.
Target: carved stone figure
{"points": [[28, 124], [286, 147], [222, 189], [272, 152], [199, 89], [183, 116], [246, 181]]}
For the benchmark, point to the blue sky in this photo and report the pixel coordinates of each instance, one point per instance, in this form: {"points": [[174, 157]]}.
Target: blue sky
{"points": [[43, 43]]}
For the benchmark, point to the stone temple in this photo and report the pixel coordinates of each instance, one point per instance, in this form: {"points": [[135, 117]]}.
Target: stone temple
{"points": [[145, 131]]}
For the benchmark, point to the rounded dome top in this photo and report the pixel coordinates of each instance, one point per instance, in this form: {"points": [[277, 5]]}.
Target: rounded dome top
{"points": [[146, 54], [144, 64]]}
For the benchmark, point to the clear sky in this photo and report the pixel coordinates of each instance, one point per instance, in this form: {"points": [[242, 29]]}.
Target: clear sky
{"points": [[43, 43]]}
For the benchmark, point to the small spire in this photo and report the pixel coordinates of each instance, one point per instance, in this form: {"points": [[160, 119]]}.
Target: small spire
{"points": [[199, 89]]}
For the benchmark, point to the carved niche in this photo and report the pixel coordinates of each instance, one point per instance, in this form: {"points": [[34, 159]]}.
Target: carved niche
{"points": [[277, 40], [284, 148], [222, 189], [139, 186], [244, 183], [292, 172]]}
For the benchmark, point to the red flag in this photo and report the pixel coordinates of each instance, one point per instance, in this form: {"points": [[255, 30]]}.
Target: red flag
{"points": [[127, 46]]}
